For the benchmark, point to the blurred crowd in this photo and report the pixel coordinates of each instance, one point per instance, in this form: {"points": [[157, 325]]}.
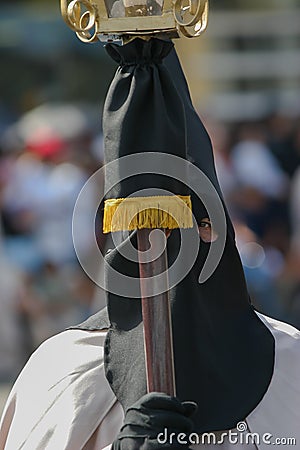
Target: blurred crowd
{"points": [[258, 165], [47, 156]]}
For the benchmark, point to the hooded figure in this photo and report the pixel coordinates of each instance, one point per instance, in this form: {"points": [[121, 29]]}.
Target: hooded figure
{"points": [[237, 372]]}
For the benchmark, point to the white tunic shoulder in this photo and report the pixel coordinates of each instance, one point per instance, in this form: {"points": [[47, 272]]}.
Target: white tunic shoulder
{"points": [[62, 400], [278, 414], [61, 397]]}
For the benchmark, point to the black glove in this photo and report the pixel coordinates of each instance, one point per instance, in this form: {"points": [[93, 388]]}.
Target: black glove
{"points": [[149, 422]]}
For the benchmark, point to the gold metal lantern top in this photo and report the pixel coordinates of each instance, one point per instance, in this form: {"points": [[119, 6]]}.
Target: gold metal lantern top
{"points": [[122, 20]]}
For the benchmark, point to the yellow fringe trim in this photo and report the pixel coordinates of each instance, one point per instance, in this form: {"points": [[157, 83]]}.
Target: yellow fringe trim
{"points": [[133, 213]]}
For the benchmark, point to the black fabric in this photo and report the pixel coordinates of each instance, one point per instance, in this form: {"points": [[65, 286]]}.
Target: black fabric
{"points": [[143, 112], [150, 416], [224, 355], [199, 147]]}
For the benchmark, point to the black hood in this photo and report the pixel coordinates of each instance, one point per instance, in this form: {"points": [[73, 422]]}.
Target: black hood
{"points": [[224, 354]]}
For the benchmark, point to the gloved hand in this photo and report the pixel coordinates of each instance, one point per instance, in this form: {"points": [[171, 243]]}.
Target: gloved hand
{"points": [[151, 415]]}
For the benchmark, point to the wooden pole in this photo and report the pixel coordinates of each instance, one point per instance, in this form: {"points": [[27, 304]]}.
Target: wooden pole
{"points": [[156, 317]]}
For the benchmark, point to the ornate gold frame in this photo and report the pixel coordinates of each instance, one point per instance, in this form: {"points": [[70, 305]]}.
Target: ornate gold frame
{"points": [[90, 21]]}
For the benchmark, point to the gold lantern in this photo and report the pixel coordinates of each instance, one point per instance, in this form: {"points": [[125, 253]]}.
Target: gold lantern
{"points": [[122, 20]]}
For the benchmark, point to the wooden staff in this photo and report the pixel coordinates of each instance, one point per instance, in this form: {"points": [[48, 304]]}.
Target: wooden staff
{"points": [[156, 317]]}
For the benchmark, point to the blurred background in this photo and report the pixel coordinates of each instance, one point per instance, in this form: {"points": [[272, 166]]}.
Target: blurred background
{"points": [[244, 76]]}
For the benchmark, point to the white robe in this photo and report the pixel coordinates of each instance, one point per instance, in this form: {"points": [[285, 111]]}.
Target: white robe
{"points": [[62, 400]]}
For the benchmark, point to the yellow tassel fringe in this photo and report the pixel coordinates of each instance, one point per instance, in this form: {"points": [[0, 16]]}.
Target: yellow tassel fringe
{"points": [[133, 213]]}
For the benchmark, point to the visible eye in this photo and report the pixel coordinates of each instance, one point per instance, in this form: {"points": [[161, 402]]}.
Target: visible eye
{"points": [[206, 232], [205, 224]]}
